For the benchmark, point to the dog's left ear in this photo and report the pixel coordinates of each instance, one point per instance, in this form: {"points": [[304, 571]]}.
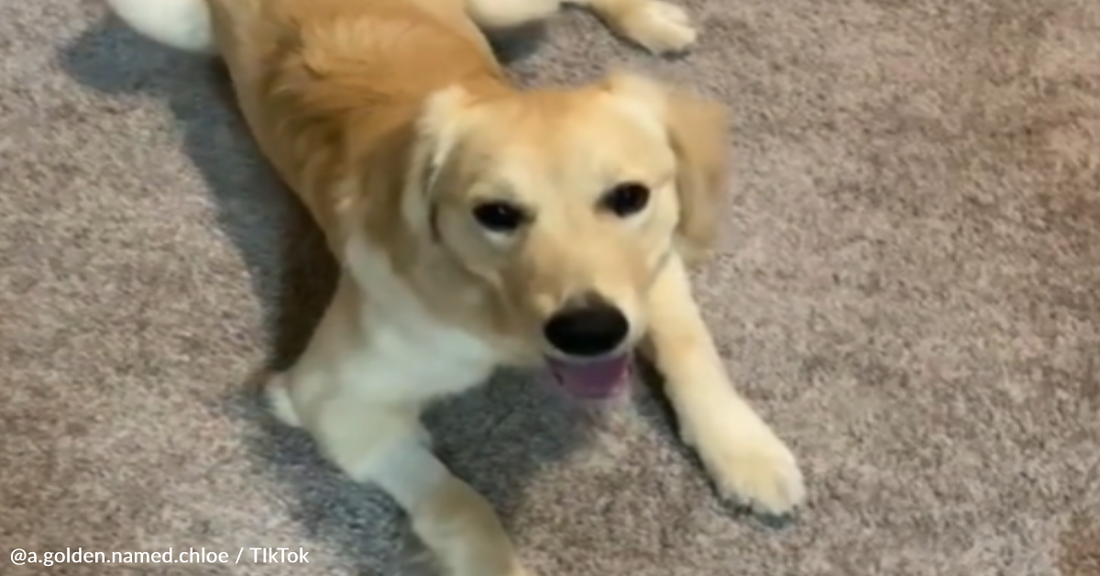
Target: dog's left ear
{"points": [[438, 133], [699, 132]]}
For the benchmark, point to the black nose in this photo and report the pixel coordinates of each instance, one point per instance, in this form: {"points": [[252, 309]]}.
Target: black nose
{"points": [[587, 326]]}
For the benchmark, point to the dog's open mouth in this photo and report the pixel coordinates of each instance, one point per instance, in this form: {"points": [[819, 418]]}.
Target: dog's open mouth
{"points": [[592, 380]]}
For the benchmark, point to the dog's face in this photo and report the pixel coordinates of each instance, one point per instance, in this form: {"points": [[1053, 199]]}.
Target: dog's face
{"points": [[567, 204]]}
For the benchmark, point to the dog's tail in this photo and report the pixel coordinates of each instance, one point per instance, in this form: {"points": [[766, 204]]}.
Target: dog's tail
{"points": [[180, 24]]}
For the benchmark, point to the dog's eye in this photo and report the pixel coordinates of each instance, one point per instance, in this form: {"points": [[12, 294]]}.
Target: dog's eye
{"points": [[626, 199], [499, 216]]}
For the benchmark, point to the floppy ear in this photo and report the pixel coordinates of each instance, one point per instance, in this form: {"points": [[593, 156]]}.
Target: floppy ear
{"points": [[436, 136], [698, 131]]}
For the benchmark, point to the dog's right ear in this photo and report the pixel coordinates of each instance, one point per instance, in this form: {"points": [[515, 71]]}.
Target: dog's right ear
{"points": [[437, 134], [698, 132]]}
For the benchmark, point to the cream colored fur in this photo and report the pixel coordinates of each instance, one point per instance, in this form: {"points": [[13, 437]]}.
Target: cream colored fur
{"points": [[392, 121]]}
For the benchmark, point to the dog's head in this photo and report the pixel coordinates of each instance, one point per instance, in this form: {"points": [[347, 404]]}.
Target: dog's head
{"points": [[567, 203]]}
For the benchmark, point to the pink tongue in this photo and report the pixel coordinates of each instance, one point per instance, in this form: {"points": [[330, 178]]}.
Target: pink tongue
{"points": [[599, 379]]}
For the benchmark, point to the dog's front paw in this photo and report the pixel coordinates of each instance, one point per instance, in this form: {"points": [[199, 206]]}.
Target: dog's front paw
{"points": [[751, 465], [660, 27]]}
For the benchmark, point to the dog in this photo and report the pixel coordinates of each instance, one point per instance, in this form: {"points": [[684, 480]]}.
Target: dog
{"points": [[478, 225]]}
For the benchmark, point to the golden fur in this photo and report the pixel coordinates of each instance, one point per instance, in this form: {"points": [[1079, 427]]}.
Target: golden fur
{"points": [[392, 121]]}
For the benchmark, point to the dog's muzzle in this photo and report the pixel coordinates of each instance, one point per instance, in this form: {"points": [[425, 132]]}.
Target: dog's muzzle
{"points": [[588, 334]]}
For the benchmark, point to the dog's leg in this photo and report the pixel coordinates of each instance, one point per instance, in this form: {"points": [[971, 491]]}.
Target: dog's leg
{"points": [[332, 391], [746, 459], [499, 15], [658, 26], [386, 447]]}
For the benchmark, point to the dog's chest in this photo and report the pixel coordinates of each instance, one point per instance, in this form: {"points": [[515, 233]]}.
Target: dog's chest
{"points": [[417, 351]]}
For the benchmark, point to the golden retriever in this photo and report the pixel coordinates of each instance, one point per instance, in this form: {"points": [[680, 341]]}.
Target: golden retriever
{"points": [[479, 225]]}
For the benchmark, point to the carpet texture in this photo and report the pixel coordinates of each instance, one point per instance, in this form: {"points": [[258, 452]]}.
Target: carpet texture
{"points": [[909, 290]]}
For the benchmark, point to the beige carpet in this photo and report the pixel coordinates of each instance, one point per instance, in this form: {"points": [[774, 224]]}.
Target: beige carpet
{"points": [[909, 290]]}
